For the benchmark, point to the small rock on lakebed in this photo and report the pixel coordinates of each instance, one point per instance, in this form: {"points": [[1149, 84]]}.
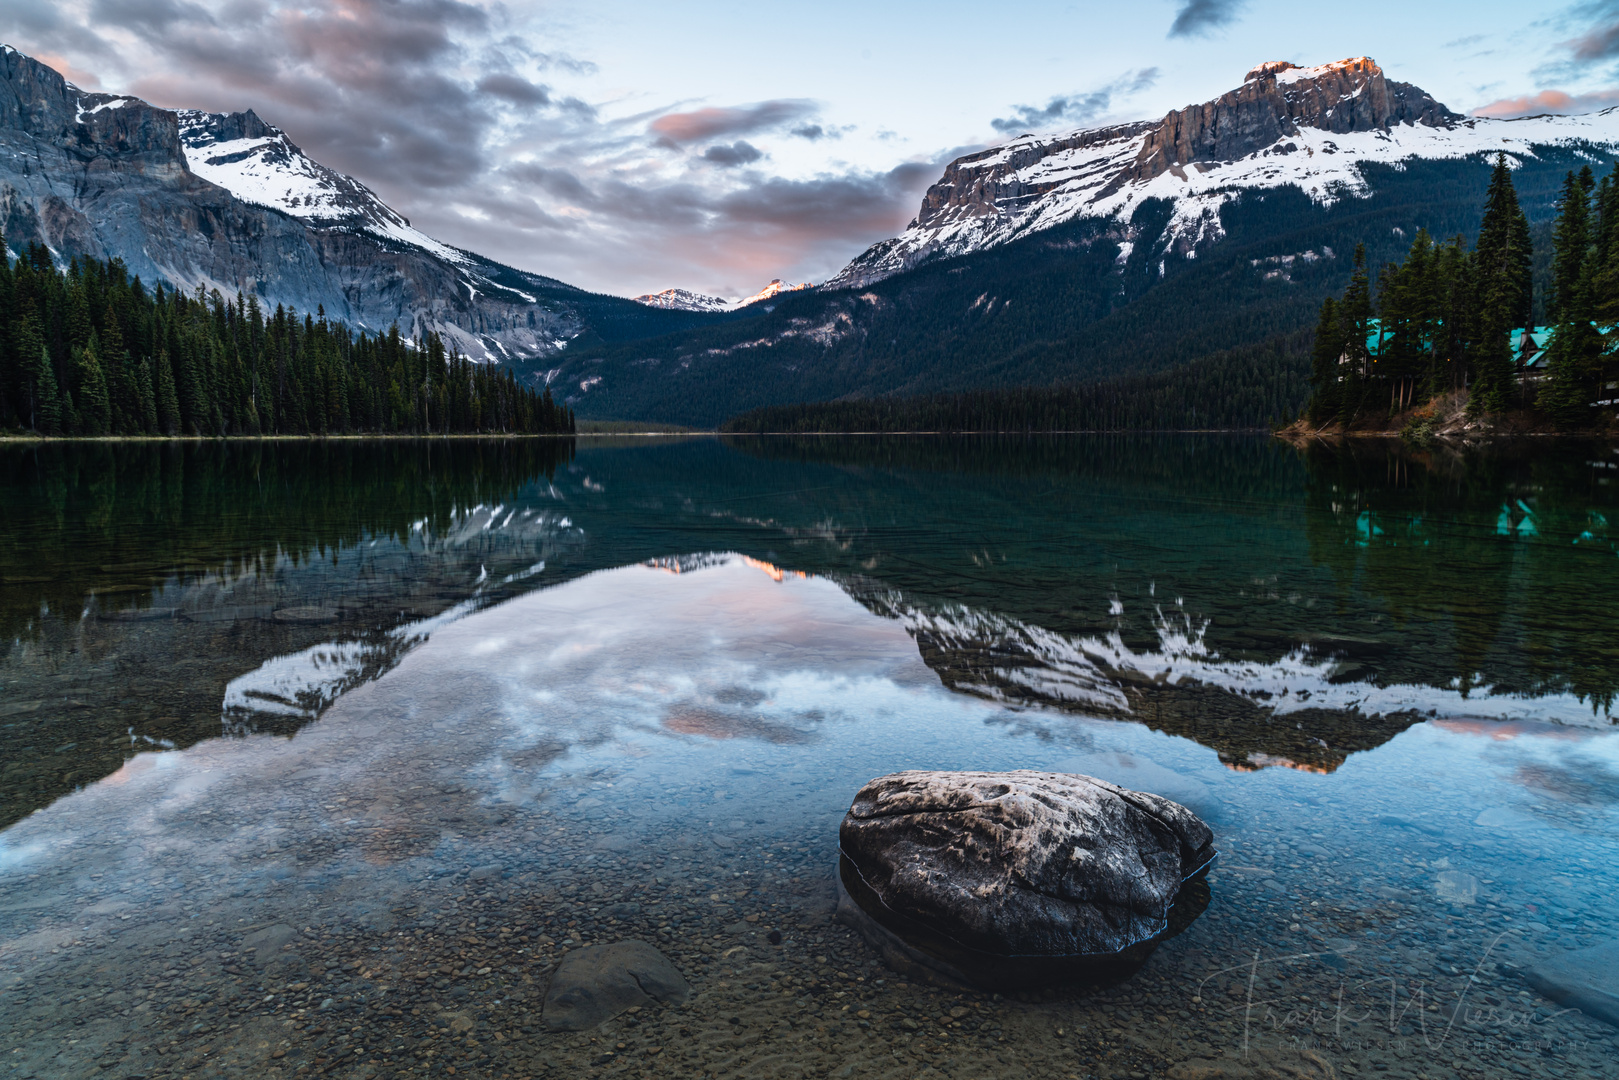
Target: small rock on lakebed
{"points": [[1007, 879], [598, 982], [1587, 980]]}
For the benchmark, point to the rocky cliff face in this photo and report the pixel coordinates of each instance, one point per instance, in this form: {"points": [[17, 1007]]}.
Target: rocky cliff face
{"points": [[1284, 125], [1276, 101], [229, 202]]}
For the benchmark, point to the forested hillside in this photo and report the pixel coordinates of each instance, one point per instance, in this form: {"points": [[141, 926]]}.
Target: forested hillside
{"points": [[1058, 307], [1253, 388], [92, 351]]}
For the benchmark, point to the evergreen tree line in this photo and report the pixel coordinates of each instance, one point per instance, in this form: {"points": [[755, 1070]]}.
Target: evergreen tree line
{"points": [[1446, 318], [1252, 388], [92, 351]]}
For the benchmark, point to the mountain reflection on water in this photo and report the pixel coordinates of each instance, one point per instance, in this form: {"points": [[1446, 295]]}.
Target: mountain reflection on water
{"points": [[1278, 606], [141, 583]]}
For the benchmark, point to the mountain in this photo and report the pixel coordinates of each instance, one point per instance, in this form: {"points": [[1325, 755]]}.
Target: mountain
{"points": [[1113, 251], [1310, 128], [228, 201], [684, 300], [771, 291]]}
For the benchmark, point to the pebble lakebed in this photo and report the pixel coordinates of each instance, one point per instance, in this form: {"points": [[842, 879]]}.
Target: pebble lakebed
{"points": [[447, 967]]}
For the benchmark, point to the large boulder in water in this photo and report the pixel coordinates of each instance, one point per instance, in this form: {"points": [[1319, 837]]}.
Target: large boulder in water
{"points": [[1013, 878]]}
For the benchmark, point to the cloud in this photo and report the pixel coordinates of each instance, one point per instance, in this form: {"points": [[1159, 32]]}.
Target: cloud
{"points": [[1075, 109], [149, 15], [49, 30], [680, 129], [1198, 17], [1601, 40], [847, 205], [515, 89], [1549, 101], [723, 239], [738, 153], [465, 118]]}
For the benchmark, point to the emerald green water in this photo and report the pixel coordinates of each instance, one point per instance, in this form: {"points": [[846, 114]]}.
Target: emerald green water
{"points": [[317, 685]]}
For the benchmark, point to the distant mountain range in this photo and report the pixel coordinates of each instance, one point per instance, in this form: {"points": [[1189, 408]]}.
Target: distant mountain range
{"points": [[228, 201], [1059, 258], [683, 300], [1113, 251]]}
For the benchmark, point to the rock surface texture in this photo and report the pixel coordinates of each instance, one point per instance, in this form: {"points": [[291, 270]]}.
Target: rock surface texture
{"points": [[227, 201], [598, 982], [1006, 878]]}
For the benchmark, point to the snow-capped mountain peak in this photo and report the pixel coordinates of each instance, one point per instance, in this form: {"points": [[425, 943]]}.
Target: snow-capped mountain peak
{"points": [[775, 288], [259, 164], [683, 300], [686, 300], [1286, 125], [1286, 72]]}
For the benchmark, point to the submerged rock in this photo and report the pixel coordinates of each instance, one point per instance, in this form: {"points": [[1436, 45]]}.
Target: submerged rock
{"points": [[596, 983], [1010, 878], [267, 942], [1586, 979]]}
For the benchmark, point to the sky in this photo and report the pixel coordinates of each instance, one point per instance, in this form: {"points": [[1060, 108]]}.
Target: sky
{"points": [[712, 145]]}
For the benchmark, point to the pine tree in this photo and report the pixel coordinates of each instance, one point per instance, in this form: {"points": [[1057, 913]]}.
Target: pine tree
{"points": [[146, 393], [1455, 316], [1504, 291], [44, 407], [1354, 327], [1574, 353], [79, 324], [1406, 308], [1329, 346], [167, 403], [1605, 259], [95, 411]]}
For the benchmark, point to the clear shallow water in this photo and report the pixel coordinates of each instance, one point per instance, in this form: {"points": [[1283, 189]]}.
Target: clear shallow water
{"points": [[428, 781]]}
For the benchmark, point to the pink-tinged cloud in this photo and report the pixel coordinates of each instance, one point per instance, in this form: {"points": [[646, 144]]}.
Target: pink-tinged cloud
{"points": [[80, 77], [1548, 101], [679, 129]]}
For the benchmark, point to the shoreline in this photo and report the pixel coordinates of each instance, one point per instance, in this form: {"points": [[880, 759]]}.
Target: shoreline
{"points": [[1295, 432], [269, 438], [1444, 418]]}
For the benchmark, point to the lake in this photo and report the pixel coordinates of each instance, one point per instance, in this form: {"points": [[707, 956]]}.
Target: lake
{"points": [[317, 757]]}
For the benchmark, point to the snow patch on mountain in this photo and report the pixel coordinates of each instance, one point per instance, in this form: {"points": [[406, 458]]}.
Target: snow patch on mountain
{"points": [[1287, 74]]}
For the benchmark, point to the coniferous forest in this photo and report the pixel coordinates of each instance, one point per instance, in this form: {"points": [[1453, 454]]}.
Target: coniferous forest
{"points": [[1448, 319], [1253, 388], [91, 351]]}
